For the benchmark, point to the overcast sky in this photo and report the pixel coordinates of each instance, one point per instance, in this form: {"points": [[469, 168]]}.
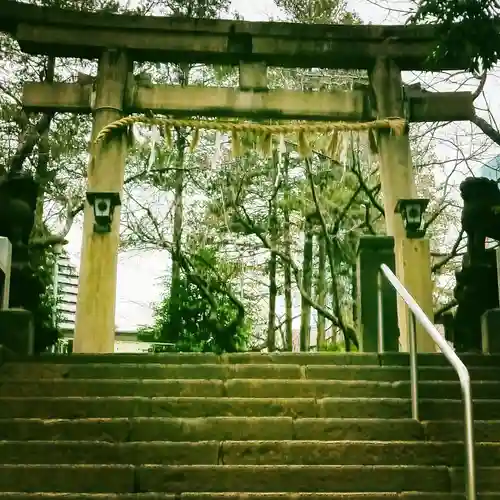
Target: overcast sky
{"points": [[139, 274]]}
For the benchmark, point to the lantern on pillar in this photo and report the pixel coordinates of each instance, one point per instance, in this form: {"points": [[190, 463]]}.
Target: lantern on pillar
{"points": [[412, 213], [103, 205]]}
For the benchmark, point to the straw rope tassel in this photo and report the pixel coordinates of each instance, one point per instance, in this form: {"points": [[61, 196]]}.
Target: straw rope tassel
{"points": [[397, 125]]}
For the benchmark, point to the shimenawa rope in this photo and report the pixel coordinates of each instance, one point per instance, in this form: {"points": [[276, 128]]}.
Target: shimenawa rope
{"points": [[397, 125]]}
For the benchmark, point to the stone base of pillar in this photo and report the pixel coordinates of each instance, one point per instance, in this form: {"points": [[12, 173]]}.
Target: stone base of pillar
{"points": [[17, 331], [490, 331]]}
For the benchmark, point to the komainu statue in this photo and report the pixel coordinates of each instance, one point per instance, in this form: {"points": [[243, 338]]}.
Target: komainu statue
{"points": [[480, 214], [18, 200], [476, 289]]}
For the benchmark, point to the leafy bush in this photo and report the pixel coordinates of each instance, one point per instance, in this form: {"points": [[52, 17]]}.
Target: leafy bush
{"points": [[31, 289], [188, 318]]}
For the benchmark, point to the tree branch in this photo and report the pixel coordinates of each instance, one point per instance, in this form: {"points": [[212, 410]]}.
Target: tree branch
{"points": [[435, 215], [444, 309], [343, 213], [486, 128], [40, 243], [252, 229], [369, 192], [28, 143], [453, 253], [480, 87]]}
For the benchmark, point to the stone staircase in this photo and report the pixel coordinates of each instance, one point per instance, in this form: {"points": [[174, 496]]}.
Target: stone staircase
{"points": [[245, 426]]}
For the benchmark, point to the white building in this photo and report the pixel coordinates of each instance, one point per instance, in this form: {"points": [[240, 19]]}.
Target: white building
{"points": [[66, 290], [491, 170]]}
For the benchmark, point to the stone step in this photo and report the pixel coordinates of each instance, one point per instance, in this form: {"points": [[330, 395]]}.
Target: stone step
{"points": [[452, 430], [230, 478], [241, 388], [324, 358], [245, 453], [405, 495], [159, 371], [92, 407], [151, 371], [241, 429], [236, 428]]}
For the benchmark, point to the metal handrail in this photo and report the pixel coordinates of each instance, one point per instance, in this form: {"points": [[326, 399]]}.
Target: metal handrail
{"points": [[416, 313], [5, 268]]}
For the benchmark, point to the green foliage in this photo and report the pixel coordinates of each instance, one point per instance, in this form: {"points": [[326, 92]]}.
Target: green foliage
{"points": [[468, 28], [333, 345], [31, 288], [46, 332], [317, 11], [188, 320], [108, 6], [196, 8]]}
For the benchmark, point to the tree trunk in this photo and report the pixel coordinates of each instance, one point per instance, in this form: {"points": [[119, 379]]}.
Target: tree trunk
{"points": [[178, 211], [43, 175], [42, 178], [273, 290], [354, 294], [286, 265], [321, 291], [271, 320], [305, 319], [180, 144], [177, 234]]}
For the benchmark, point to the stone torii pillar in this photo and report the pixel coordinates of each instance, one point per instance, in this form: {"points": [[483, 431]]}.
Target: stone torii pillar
{"points": [[413, 262], [96, 302]]}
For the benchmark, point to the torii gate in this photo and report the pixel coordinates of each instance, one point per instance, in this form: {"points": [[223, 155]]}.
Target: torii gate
{"points": [[119, 40]]}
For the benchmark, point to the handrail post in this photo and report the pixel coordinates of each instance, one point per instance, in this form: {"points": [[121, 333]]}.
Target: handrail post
{"points": [[470, 461], [415, 313], [413, 364], [5, 269], [380, 313]]}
